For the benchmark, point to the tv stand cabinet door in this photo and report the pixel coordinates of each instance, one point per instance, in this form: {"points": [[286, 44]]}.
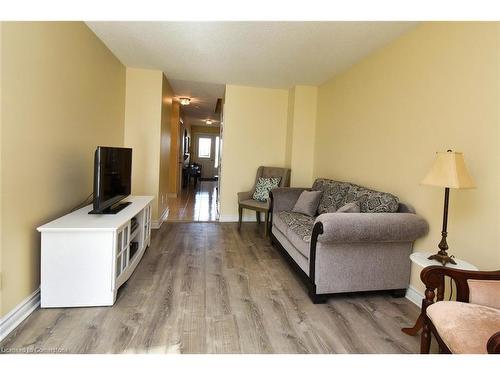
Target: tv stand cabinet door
{"points": [[76, 269], [147, 225]]}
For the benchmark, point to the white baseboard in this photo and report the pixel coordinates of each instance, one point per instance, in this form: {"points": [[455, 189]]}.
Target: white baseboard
{"points": [[15, 317], [234, 218], [156, 224], [414, 296]]}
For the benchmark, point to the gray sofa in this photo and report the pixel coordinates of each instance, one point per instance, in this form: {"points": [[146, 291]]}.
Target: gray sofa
{"points": [[347, 252]]}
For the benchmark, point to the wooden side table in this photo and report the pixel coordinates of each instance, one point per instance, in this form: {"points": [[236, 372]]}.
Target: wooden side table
{"points": [[421, 259]]}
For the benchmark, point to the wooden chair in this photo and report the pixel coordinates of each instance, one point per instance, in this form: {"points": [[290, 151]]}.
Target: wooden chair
{"points": [[196, 173], [245, 200], [469, 325]]}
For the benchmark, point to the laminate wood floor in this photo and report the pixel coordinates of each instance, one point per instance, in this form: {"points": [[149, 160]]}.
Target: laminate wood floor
{"points": [[195, 203], [209, 288]]}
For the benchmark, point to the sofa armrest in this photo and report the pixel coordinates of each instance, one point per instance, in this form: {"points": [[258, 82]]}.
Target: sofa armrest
{"points": [[284, 199], [371, 227], [244, 195]]}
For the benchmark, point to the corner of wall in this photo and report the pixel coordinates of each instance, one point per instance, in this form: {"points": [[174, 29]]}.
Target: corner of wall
{"points": [[289, 127]]}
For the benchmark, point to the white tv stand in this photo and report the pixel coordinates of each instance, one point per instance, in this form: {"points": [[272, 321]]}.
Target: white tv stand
{"points": [[85, 258]]}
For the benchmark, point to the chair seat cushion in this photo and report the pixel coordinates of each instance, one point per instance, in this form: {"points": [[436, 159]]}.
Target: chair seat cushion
{"points": [[252, 203], [465, 328]]}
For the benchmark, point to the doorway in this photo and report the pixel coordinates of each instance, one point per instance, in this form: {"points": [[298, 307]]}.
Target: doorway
{"points": [[198, 197], [206, 154], [198, 151]]}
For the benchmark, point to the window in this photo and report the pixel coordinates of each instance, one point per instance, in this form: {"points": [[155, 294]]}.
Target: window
{"points": [[216, 152], [204, 147]]}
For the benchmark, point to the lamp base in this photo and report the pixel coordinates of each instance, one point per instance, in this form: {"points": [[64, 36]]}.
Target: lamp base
{"points": [[442, 258]]}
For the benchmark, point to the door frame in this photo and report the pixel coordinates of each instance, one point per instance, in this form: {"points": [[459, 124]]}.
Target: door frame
{"points": [[214, 136]]}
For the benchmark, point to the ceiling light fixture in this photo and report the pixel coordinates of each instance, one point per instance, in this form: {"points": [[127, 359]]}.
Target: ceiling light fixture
{"points": [[208, 122], [184, 101]]}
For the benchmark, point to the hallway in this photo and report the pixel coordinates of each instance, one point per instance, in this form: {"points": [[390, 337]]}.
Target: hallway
{"points": [[195, 204]]}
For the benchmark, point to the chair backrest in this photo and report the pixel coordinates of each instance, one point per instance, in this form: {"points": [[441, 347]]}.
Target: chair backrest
{"points": [[198, 168], [284, 173]]}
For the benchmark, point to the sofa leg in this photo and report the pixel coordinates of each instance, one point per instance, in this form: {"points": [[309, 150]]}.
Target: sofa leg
{"points": [[240, 214], [398, 293], [317, 298], [257, 216], [271, 239]]}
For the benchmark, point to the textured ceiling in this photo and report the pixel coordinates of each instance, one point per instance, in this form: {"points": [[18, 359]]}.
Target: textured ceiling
{"points": [[265, 54], [262, 54]]}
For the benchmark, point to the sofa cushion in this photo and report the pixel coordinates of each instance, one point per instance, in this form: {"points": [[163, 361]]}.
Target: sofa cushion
{"points": [[302, 246], [299, 224], [465, 328], [280, 224], [375, 201], [336, 194], [352, 207], [307, 203]]}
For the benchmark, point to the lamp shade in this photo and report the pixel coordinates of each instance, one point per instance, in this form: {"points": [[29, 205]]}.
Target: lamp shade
{"points": [[448, 170]]}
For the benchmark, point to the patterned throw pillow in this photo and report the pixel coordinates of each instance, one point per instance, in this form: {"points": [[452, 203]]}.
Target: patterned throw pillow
{"points": [[264, 186], [337, 193], [352, 207]]}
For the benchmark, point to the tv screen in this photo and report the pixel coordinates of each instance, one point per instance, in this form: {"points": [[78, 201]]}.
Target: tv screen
{"points": [[112, 177]]}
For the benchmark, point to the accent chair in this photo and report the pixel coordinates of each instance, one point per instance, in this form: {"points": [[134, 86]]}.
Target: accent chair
{"points": [[469, 325], [246, 201]]}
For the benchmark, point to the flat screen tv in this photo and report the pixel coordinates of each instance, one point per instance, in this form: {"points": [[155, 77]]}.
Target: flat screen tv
{"points": [[112, 179]]}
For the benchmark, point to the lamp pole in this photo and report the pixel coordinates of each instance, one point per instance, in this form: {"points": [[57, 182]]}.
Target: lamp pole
{"points": [[442, 256]]}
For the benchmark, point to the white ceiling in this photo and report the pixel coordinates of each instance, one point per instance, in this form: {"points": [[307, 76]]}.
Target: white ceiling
{"points": [[262, 54], [266, 54], [203, 100]]}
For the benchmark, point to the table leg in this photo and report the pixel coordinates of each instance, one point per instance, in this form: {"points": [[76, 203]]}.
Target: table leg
{"points": [[413, 331]]}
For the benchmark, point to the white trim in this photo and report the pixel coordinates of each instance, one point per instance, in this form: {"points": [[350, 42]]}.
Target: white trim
{"points": [[414, 296], [234, 218], [16, 316], [156, 224]]}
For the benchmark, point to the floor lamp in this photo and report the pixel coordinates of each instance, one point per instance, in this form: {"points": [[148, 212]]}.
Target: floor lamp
{"points": [[448, 171]]}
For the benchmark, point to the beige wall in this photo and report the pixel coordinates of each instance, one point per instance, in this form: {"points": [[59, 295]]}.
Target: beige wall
{"points": [[1, 116], [142, 131], [255, 125], [168, 135], [302, 107], [63, 94], [289, 128], [148, 117], [381, 122]]}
